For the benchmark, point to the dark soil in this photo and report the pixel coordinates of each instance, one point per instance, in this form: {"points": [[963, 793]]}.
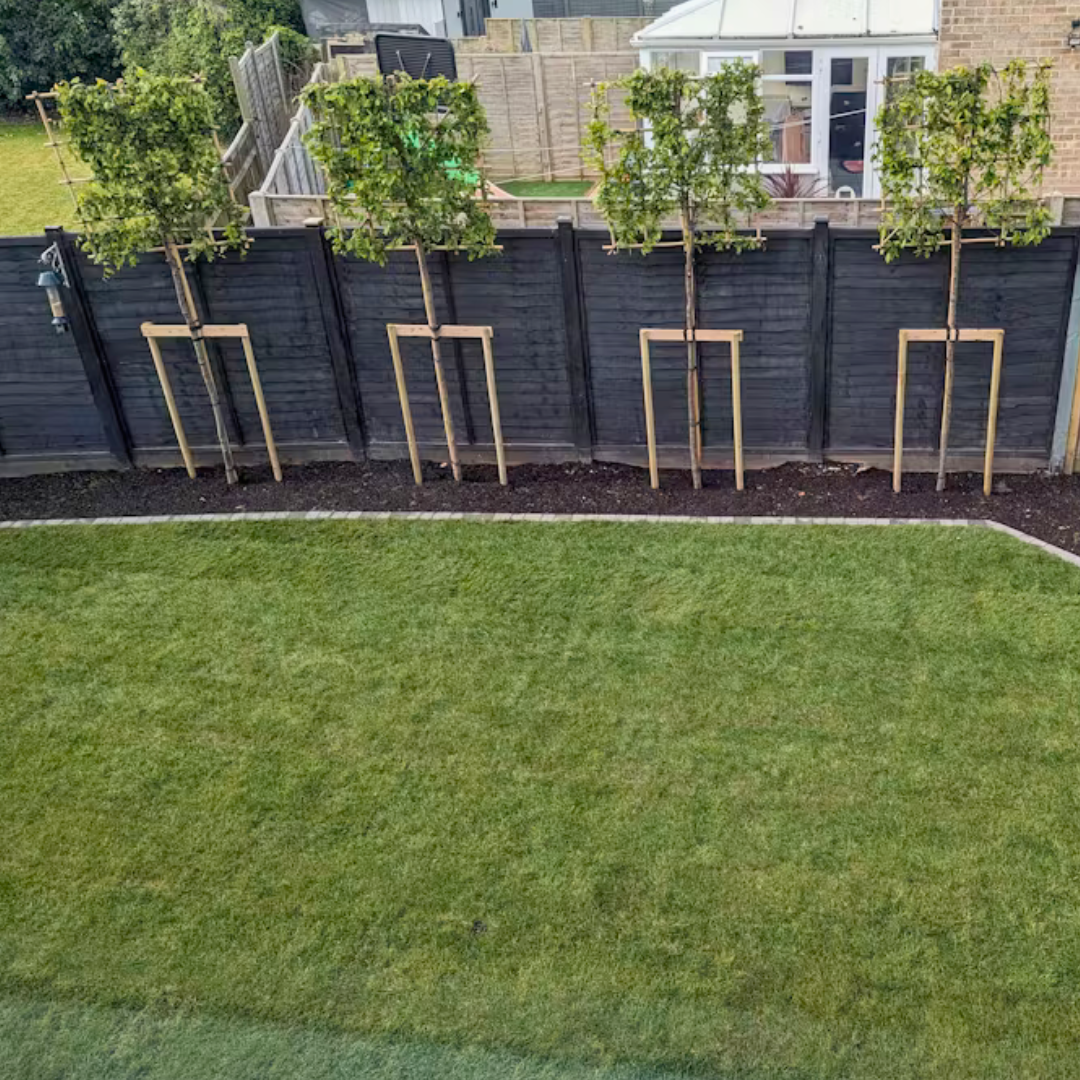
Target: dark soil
{"points": [[1045, 506]]}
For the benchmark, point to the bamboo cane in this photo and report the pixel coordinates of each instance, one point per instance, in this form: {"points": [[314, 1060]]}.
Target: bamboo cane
{"points": [[436, 356], [170, 404], [403, 396]]}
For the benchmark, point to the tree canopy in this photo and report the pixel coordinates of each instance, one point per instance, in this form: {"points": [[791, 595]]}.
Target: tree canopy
{"points": [[49, 40], [156, 175], [692, 152], [968, 146], [401, 156]]}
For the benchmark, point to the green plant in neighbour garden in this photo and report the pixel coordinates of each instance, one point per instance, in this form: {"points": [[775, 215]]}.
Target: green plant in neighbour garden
{"points": [[197, 37], [44, 41], [960, 149], [691, 155], [401, 157], [157, 183]]}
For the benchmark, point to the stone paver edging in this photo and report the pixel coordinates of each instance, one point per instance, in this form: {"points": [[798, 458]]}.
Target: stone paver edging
{"points": [[440, 515]]}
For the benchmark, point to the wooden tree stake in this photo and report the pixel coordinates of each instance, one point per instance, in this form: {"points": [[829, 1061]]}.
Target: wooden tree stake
{"points": [[997, 337], [395, 331], [734, 338]]}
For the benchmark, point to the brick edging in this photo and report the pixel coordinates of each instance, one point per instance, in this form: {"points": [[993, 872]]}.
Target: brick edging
{"points": [[444, 515]]}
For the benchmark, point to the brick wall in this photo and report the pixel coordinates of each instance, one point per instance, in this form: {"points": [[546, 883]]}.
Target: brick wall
{"points": [[1001, 30]]}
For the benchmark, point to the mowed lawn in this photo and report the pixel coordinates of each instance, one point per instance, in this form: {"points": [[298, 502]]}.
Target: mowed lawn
{"points": [[31, 195], [490, 800]]}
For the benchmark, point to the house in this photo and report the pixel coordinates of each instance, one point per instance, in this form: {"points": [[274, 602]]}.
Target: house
{"points": [[440, 18], [973, 31], [825, 70]]}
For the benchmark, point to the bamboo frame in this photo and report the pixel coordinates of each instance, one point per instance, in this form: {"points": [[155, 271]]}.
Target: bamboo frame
{"points": [[394, 331], [154, 331], [734, 339], [995, 337]]}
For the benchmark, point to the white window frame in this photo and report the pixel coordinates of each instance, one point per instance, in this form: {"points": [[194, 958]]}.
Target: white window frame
{"points": [[877, 57], [877, 99]]}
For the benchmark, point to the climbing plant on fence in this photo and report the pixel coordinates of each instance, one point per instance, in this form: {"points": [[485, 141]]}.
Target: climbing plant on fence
{"points": [[963, 149], [692, 155], [156, 184], [401, 158]]}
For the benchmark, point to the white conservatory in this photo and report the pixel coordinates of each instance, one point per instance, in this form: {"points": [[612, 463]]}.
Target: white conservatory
{"points": [[825, 70]]}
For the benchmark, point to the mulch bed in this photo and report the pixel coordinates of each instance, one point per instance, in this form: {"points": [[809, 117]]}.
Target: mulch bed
{"points": [[1045, 506]]}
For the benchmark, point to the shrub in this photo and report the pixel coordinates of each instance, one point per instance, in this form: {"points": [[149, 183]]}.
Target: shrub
{"points": [[49, 40]]}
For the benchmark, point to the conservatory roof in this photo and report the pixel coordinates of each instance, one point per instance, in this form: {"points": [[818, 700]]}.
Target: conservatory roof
{"points": [[765, 19]]}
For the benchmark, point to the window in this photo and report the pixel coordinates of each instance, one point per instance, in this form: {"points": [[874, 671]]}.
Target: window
{"points": [[899, 68], [787, 86], [677, 61]]}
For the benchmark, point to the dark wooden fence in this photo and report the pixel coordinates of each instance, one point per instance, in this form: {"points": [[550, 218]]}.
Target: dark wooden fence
{"points": [[820, 311]]}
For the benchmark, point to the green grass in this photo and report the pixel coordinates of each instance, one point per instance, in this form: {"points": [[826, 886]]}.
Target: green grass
{"points": [[31, 195], [553, 189], [742, 802]]}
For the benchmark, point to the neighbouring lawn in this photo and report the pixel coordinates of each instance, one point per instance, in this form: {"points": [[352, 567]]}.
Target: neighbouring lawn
{"points": [[744, 802], [549, 189], [31, 195]]}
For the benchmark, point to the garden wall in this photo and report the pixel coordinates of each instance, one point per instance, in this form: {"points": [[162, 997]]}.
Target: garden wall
{"points": [[820, 311]]}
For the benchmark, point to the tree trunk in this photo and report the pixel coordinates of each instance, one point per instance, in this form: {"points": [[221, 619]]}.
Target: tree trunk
{"points": [[436, 356], [693, 385], [956, 247], [191, 316]]}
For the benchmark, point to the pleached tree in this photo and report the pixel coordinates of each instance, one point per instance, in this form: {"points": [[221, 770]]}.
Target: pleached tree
{"points": [[963, 149], [156, 184], [402, 163], [690, 156]]}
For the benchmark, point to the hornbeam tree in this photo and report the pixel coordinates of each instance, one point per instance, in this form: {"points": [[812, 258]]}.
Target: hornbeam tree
{"points": [[958, 150], [691, 155], [401, 158], [157, 184]]}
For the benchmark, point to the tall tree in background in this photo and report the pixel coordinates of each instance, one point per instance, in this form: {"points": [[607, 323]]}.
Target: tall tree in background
{"points": [[401, 158], [157, 183], [957, 150], [691, 155], [44, 41], [197, 37]]}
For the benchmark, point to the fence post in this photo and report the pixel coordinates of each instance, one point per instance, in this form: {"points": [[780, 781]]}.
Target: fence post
{"points": [[92, 351], [332, 308], [577, 365], [821, 273]]}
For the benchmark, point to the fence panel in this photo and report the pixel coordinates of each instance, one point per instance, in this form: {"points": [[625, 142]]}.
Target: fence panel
{"points": [[764, 293], [1026, 291], [819, 353], [272, 289], [46, 407]]}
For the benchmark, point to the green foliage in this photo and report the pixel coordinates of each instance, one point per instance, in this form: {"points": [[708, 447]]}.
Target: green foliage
{"points": [[157, 177], [967, 146], [695, 157], [197, 37], [401, 155], [44, 41]]}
